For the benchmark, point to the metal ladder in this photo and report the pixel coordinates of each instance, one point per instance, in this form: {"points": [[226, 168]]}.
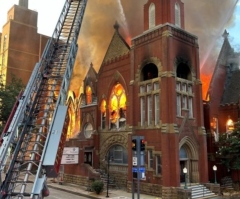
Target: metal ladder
{"points": [[28, 169]]}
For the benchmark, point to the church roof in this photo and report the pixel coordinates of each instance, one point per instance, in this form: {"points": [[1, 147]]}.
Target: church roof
{"points": [[232, 91], [117, 47]]}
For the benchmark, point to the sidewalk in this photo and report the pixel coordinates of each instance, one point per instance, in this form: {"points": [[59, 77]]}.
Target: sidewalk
{"points": [[81, 191]]}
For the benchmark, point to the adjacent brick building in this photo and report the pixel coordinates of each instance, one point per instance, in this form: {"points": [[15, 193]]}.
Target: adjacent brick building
{"points": [[221, 108], [21, 44]]}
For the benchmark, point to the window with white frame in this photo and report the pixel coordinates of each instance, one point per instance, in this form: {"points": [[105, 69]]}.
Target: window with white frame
{"points": [[142, 107], [179, 108], [149, 87], [142, 89], [177, 15], [158, 165], [151, 15], [190, 107], [156, 86], [157, 111], [184, 97], [184, 87], [149, 104], [150, 159], [178, 86], [149, 94], [190, 89]]}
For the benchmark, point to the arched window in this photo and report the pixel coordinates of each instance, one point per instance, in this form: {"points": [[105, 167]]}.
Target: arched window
{"points": [[103, 114], [88, 95], [88, 130], [183, 71], [151, 12], [118, 154], [117, 107], [177, 15], [149, 71]]}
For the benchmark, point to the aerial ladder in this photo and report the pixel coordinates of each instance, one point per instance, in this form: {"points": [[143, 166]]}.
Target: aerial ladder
{"points": [[37, 126]]}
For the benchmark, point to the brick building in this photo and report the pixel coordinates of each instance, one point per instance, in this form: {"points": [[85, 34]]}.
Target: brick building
{"points": [[221, 108], [152, 89], [21, 44]]}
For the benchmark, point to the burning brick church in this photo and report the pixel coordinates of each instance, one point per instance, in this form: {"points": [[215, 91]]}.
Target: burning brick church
{"points": [[151, 88]]}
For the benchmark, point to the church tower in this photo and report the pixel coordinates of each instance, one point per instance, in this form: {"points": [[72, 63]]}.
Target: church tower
{"points": [[159, 12], [168, 96]]}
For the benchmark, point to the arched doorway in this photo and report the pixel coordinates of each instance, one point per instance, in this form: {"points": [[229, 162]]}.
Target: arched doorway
{"points": [[188, 157], [183, 162]]}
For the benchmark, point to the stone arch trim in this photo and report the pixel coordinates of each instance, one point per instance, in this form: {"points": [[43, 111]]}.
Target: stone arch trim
{"points": [[190, 146], [153, 60], [107, 141], [193, 158]]}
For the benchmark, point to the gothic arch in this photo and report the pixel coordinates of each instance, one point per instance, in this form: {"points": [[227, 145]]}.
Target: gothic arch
{"points": [[192, 158], [117, 78]]}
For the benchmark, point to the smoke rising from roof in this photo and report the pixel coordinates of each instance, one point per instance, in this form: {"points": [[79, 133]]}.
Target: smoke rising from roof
{"points": [[203, 18]]}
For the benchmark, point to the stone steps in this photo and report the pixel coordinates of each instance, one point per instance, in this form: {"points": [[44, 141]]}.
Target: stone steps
{"points": [[200, 191]]}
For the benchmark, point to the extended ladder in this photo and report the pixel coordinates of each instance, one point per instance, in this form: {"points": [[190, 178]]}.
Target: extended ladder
{"points": [[44, 123]]}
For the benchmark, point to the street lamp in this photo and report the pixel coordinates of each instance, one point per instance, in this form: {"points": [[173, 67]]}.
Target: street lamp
{"points": [[185, 173], [215, 170], [108, 162]]}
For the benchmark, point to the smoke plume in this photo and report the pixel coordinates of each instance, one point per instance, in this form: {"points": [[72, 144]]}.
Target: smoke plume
{"points": [[203, 18]]}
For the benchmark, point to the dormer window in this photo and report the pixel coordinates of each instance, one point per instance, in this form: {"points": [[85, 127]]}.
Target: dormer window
{"points": [[152, 15], [177, 15]]}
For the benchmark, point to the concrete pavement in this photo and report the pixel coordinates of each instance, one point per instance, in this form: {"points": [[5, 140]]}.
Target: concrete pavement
{"points": [[113, 193], [82, 191]]}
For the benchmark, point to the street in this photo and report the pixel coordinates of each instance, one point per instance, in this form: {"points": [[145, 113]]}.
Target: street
{"points": [[58, 194]]}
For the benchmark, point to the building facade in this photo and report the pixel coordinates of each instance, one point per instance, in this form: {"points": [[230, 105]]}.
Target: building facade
{"points": [[221, 108], [152, 89], [21, 45]]}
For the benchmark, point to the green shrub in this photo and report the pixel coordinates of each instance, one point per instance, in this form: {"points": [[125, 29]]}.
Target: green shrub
{"points": [[97, 186]]}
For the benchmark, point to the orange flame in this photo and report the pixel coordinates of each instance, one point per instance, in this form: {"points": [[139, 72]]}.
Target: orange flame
{"points": [[205, 78]]}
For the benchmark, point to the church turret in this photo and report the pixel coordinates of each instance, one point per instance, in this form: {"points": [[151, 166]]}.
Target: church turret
{"points": [[23, 3], [158, 12]]}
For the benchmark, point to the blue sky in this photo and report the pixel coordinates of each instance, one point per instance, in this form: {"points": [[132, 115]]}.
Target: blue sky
{"points": [[234, 29]]}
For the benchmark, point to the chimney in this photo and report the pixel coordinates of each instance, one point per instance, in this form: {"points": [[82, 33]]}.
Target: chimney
{"points": [[23, 3]]}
